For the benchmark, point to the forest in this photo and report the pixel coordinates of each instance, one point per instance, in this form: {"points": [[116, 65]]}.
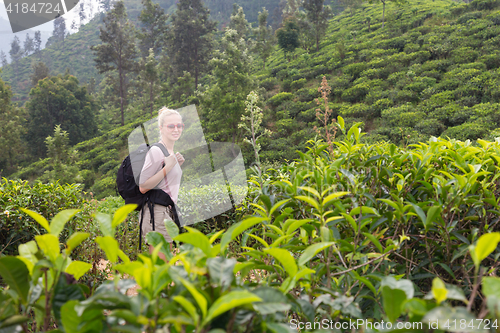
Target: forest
{"points": [[369, 131]]}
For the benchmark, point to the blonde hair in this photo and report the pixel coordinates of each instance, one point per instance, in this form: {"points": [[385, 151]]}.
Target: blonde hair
{"points": [[164, 112]]}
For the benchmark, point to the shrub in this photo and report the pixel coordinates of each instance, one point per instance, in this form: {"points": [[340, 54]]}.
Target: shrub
{"points": [[269, 83], [280, 98], [402, 116], [467, 131], [355, 69], [469, 16], [354, 110], [430, 127], [46, 199], [464, 55], [356, 93], [297, 84]]}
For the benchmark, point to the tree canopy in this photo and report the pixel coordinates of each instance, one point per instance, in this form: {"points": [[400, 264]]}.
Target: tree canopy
{"points": [[59, 100]]}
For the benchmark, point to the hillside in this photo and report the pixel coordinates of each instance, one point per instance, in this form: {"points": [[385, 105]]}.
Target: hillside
{"points": [[432, 70], [74, 53]]}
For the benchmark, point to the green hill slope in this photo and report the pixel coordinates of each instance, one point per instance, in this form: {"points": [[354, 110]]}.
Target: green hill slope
{"points": [[432, 70], [74, 54]]}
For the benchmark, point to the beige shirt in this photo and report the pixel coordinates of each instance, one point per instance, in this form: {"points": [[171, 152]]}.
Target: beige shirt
{"points": [[153, 164]]}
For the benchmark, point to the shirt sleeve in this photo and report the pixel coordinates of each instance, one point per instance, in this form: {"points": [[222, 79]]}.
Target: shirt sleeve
{"points": [[152, 164]]}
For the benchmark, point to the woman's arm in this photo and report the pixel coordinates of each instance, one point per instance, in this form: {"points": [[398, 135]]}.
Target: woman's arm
{"points": [[151, 183]]}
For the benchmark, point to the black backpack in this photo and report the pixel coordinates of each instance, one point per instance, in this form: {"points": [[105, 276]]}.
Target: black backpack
{"points": [[127, 186]]}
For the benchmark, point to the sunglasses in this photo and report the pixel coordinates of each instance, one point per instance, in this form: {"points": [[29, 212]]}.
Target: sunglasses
{"points": [[179, 126]]}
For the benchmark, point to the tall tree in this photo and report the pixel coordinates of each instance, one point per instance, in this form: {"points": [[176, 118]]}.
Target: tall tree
{"points": [[105, 5], [12, 128], [153, 28], [223, 102], [40, 72], [3, 59], [149, 80], [264, 36], [288, 36], [239, 23], [291, 8], [62, 159], [37, 43], [81, 13], [15, 53], [318, 14], [190, 38], [28, 45], [59, 100], [117, 52], [59, 32]]}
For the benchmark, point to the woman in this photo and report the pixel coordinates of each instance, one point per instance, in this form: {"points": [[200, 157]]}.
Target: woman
{"points": [[162, 172]]}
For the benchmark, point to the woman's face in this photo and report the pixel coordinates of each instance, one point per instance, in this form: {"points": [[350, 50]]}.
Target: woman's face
{"points": [[172, 127]]}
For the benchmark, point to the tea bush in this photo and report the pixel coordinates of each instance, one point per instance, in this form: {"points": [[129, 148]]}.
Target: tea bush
{"points": [[48, 199], [367, 231]]}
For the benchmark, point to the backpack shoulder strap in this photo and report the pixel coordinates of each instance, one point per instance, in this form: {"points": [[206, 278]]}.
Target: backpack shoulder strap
{"points": [[162, 147]]}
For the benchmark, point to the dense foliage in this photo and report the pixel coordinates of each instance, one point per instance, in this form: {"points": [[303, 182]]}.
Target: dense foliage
{"points": [[47, 199], [365, 232]]}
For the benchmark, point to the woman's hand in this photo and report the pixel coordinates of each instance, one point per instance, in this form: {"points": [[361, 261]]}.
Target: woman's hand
{"points": [[170, 161], [179, 158]]}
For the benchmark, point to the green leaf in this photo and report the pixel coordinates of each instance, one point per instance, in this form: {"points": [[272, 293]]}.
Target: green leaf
{"points": [[278, 205], [154, 238], [394, 294], [221, 271], [172, 228], [491, 286], [39, 218], [16, 275], [311, 190], [75, 239], [121, 214], [78, 268], [198, 297], [439, 290], [486, 244], [236, 229], [297, 224], [364, 210], [71, 320], [188, 306], [311, 251], [341, 123], [333, 196], [110, 246], [64, 292], [228, 302], [58, 222], [308, 200], [366, 282], [374, 240], [104, 221], [351, 221], [197, 239], [420, 212], [285, 258], [12, 321], [49, 244], [214, 237], [432, 214], [441, 315]]}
